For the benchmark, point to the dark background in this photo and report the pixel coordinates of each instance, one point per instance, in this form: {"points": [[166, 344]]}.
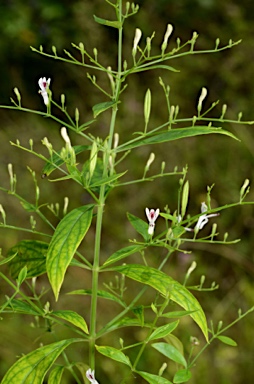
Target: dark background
{"points": [[212, 159]]}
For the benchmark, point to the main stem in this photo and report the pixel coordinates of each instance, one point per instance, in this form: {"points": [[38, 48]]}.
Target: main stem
{"points": [[100, 207]]}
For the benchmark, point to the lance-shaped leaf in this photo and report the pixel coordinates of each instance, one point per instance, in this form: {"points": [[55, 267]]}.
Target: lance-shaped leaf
{"points": [[108, 23], [122, 253], [102, 107], [65, 241], [173, 134], [56, 375], [113, 354], [167, 287], [72, 317], [32, 368], [140, 225], [171, 352], [30, 253], [153, 379]]}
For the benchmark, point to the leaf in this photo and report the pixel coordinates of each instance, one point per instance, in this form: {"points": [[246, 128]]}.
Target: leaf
{"points": [[56, 160], [182, 376], [22, 275], [114, 354], [163, 331], [122, 253], [22, 307], [153, 379], [6, 260], [173, 134], [227, 340], [176, 314], [171, 352], [29, 253], [56, 375], [102, 107], [65, 241], [100, 293], [73, 318], [108, 23], [125, 322], [32, 368], [139, 225], [107, 180], [159, 66], [166, 285]]}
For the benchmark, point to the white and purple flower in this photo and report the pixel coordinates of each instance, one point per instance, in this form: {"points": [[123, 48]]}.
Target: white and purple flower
{"points": [[91, 376], [44, 87], [152, 216]]}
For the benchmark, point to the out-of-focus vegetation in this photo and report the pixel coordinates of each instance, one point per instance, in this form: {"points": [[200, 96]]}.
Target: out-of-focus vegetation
{"points": [[220, 160]]}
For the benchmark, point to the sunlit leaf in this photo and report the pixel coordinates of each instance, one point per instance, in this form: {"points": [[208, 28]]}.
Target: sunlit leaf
{"points": [[167, 287], [20, 306], [72, 317], [56, 375], [163, 331], [65, 241], [102, 107], [171, 352], [139, 225], [227, 340], [32, 368], [114, 354]]}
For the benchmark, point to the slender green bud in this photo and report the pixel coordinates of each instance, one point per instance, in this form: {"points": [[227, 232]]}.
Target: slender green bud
{"points": [[95, 52], [162, 369], [81, 46], [217, 42], [125, 65], [149, 161], [2, 212], [244, 189], [77, 116], [31, 143], [185, 198], [223, 111], [54, 50], [178, 42], [225, 237], [66, 203], [191, 269], [62, 100], [93, 158], [16, 91], [163, 164], [171, 112], [48, 145], [127, 7], [147, 106], [148, 46], [116, 140], [240, 115]]}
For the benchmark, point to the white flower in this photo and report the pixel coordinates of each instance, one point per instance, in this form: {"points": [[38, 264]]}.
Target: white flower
{"points": [[152, 215], [44, 86], [91, 377], [203, 219]]}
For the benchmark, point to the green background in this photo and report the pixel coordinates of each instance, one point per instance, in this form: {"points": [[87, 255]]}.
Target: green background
{"points": [[211, 159]]}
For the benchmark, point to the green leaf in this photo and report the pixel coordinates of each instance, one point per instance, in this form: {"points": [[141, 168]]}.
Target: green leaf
{"points": [[6, 260], [73, 318], [100, 293], [65, 241], [163, 331], [32, 368], [22, 275], [56, 375], [122, 253], [108, 23], [176, 314], [107, 180], [22, 307], [159, 66], [102, 107], [227, 340], [56, 160], [171, 352], [173, 134], [114, 354], [139, 225], [29, 253], [153, 379], [182, 376], [167, 286], [125, 322]]}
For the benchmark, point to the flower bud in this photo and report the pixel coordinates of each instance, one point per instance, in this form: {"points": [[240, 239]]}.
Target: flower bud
{"points": [[138, 34], [166, 37], [201, 99]]}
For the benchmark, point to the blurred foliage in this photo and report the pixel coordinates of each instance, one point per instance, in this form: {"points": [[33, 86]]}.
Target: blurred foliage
{"points": [[217, 159]]}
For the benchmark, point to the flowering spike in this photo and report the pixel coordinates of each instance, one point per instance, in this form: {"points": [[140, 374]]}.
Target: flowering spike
{"points": [[44, 88], [152, 215]]}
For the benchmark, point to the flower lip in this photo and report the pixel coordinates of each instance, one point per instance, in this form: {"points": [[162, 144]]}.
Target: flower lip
{"points": [[152, 215]]}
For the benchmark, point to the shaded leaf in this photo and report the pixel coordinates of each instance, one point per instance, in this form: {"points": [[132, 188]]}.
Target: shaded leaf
{"points": [[108, 23], [102, 107], [182, 376], [176, 314], [173, 134], [167, 286], [153, 379], [29, 253], [32, 368], [56, 160], [139, 225], [65, 241], [100, 293], [114, 354], [22, 307], [122, 253], [171, 352], [73, 318]]}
